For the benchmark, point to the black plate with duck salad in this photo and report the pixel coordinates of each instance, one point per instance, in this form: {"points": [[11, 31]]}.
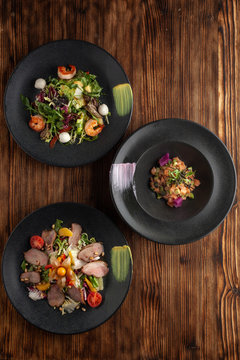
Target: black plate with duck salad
{"points": [[68, 107], [66, 267]]}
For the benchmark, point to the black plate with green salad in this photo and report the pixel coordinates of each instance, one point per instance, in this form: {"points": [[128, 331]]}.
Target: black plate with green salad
{"points": [[68, 110]]}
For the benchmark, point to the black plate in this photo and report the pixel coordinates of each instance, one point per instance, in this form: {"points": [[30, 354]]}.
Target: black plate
{"points": [[39, 313], [199, 148], [43, 62]]}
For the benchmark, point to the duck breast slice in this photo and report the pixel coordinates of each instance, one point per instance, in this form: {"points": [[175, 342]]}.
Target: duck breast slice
{"points": [[75, 294], [49, 237], [96, 268], [91, 251], [36, 257], [55, 296], [76, 230], [30, 277]]}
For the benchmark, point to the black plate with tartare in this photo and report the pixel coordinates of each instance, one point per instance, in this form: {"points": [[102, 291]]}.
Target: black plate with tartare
{"points": [[197, 147], [39, 313], [42, 63]]}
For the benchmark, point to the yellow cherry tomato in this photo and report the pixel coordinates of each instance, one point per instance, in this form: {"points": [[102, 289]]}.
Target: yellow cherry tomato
{"points": [[61, 271], [65, 232], [43, 286]]}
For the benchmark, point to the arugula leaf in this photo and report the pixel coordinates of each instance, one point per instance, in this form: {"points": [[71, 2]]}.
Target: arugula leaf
{"points": [[27, 104]]}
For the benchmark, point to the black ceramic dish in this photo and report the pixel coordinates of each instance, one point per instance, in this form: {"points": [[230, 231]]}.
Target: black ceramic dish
{"points": [[39, 313], [196, 146], [43, 62]]}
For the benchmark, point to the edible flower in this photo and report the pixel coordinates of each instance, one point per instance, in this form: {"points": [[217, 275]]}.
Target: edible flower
{"points": [[164, 159]]}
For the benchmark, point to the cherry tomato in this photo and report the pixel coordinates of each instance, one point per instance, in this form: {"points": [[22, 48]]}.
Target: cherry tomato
{"points": [[94, 299], [37, 123], [36, 242]]}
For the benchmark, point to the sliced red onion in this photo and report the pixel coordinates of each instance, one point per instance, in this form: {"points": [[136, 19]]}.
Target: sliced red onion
{"points": [[52, 92], [40, 96], [178, 202], [164, 159]]}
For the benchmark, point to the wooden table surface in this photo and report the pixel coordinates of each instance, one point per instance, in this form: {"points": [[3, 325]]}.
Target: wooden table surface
{"points": [[182, 59]]}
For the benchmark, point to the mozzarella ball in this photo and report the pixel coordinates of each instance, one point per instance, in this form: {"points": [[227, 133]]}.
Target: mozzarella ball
{"points": [[40, 83], [103, 109], [64, 137]]}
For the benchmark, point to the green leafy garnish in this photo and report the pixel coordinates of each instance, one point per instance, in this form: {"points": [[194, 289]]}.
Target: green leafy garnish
{"points": [[84, 240], [45, 274], [60, 245], [23, 265], [58, 225]]}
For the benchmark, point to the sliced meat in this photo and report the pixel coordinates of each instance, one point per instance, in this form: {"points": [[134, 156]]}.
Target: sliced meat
{"points": [[49, 237], [75, 294], [76, 230], [92, 110], [96, 268], [30, 277], [91, 251], [55, 296], [36, 257]]}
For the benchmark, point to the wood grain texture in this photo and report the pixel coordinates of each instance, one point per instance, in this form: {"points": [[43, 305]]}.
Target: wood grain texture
{"points": [[182, 59]]}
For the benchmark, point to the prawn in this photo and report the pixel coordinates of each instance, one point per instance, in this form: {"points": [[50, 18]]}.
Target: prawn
{"points": [[66, 73], [92, 128], [37, 123]]}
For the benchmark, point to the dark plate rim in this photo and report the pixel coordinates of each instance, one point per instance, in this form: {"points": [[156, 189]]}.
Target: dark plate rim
{"points": [[5, 287], [186, 122], [51, 163]]}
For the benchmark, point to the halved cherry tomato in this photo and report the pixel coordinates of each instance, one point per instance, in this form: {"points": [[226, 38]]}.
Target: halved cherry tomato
{"points": [[53, 141], [66, 73], [37, 123], [94, 299], [36, 242]]}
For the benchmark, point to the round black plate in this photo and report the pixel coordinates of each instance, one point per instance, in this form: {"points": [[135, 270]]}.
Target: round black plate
{"points": [[199, 148], [43, 62], [39, 313]]}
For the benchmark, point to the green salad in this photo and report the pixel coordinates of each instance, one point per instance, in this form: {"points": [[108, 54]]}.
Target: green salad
{"points": [[68, 107]]}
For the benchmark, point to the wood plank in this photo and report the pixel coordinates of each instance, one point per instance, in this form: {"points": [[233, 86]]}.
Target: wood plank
{"points": [[182, 59]]}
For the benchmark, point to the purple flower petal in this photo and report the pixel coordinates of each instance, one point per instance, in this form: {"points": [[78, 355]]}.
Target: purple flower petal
{"points": [[178, 202], [164, 159]]}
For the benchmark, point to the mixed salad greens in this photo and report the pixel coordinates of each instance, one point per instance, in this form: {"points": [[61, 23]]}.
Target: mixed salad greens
{"points": [[68, 107], [65, 266]]}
